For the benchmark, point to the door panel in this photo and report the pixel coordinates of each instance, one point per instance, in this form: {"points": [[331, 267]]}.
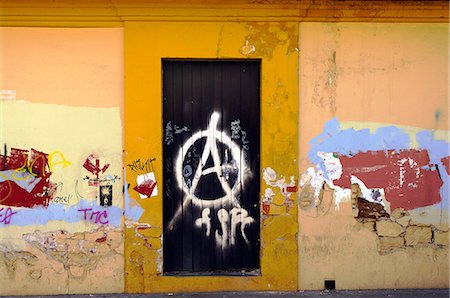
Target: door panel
{"points": [[211, 115]]}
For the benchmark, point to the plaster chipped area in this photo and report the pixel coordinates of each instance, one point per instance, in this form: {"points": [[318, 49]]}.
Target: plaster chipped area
{"points": [[265, 37], [275, 181], [392, 235], [60, 256], [314, 179], [151, 236], [396, 229], [325, 87]]}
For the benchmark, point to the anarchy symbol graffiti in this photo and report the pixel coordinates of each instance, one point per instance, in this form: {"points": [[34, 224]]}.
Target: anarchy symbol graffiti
{"points": [[218, 167]]}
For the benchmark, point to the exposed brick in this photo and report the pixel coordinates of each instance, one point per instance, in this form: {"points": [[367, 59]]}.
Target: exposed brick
{"points": [[389, 243], [404, 221], [417, 235], [368, 209], [388, 228], [441, 237]]}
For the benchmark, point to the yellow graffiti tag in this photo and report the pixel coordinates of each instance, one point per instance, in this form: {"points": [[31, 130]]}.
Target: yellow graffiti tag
{"points": [[61, 160], [29, 167]]}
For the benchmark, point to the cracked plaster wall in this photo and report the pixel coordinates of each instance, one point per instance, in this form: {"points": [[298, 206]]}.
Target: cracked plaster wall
{"points": [[62, 96], [363, 74], [370, 76]]}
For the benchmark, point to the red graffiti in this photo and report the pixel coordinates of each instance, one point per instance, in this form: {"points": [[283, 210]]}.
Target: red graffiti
{"points": [[291, 188], [266, 208], [21, 160], [101, 239], [17, 159], [21, 170], [6, 215], [446, 163], [408, 179], [92, 164], [95, 216], [146, 188]]}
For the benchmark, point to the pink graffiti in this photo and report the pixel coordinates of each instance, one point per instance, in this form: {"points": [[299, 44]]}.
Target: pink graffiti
{"points": [[95, 216], [6, 215]]}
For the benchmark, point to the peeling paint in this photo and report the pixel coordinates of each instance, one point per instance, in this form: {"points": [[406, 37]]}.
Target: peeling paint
{"points": [[333, 146], [264, 38], [64, 255], [391, 184], [286, 189]]}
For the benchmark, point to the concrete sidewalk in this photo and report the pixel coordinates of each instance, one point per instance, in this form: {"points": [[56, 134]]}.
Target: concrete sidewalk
{"points": [[444, 293]]}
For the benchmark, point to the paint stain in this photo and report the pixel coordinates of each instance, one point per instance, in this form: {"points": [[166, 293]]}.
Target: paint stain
{"points": [[408, 178], [446, 163], [101, 239], [437, 115], [266, 208], [291, 188]]}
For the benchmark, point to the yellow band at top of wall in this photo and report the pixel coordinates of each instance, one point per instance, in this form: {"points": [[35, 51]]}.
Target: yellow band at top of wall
{"points": [[113, 13]]}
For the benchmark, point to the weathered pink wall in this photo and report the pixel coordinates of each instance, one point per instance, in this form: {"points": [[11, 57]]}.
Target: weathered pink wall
{"points": [[77, 67], [368, 76], [61, 93]]}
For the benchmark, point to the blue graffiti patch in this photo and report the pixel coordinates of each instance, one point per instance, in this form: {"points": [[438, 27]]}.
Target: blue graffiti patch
{"points": [[350, 141]]}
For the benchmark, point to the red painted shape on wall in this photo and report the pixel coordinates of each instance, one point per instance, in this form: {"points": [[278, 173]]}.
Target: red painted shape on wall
{"points": [[92, 164], [266, 208], [35, 166], [146, 188], [35, 163], [18, 158], [291, 188], [11, 194], [38, 163], [408, 179], [446, 162]]}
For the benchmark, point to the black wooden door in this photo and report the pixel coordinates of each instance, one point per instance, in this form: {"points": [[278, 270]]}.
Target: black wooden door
{"points": [[211, 114]]}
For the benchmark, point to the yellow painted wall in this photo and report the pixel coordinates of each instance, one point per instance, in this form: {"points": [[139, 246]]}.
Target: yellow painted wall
{"points": [[370, 76], [276, 43]]}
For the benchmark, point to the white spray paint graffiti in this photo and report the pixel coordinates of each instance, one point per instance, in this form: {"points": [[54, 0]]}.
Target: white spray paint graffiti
{"points": [[238, 133], [333, 167], [212, 137], [205, 220], [268, 195], [271, 178], [237, 216]]}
